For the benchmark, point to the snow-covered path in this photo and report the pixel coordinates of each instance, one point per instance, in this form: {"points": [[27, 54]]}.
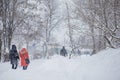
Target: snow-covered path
{"points": [[103, 66]]}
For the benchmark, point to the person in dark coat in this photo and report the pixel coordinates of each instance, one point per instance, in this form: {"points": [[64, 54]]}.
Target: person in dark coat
{"points": [[79, 52], [63, 52], [14, 57]]}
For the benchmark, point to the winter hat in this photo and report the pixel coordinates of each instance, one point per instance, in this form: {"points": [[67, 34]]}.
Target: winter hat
{"points": [[23, 51], [13, 47]]}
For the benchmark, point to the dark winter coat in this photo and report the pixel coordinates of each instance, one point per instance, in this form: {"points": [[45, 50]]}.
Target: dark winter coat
{"points": [[63, 52], [13, 55]]}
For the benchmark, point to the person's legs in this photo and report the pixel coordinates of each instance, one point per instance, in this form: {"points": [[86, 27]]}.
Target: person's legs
{"points": [[16, 66], [12, 66], [24, 67]]}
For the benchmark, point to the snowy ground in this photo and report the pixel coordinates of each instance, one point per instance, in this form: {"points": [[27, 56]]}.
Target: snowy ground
{"points": [[103, 66]]}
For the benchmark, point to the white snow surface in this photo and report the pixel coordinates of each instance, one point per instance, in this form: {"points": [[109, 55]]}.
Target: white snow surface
{"points": [[105, 65]]}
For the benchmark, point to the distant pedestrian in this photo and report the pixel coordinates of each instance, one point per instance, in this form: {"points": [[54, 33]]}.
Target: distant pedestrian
{"points": [[13, 55], [79, 52], [63, 52], [24, 58]]}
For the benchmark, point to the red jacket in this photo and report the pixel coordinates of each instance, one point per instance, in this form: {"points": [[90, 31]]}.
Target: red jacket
{"points": [[23, 56]]}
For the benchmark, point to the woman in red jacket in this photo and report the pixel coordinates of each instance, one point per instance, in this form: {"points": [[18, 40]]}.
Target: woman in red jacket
{"points": [[24, 58]]}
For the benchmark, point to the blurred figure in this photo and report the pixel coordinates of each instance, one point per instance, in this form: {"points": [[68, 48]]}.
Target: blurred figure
{"points": [[79, 52], [63, 52], [13, 55], [24, 58]]}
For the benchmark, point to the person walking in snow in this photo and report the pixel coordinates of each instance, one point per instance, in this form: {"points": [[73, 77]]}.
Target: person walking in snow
{"points": [[79, 52], [63, 52], [24, 58], [14, 57]]}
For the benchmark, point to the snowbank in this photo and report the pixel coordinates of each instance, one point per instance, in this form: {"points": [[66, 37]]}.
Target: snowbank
{"points": [[103, 66]]}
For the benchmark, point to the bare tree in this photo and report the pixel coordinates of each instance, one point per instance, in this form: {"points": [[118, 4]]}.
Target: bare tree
{"points": [[1, 31], [101, 16], [70, 29], [0, 43], [9, 19], [50, 22]]}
